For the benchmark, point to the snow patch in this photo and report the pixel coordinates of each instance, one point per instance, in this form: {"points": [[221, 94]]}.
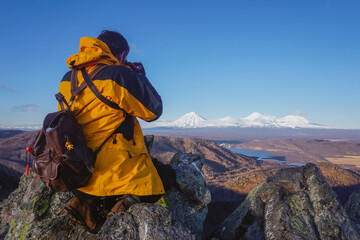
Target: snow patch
{"points": [[254, 120], [189, 120]]}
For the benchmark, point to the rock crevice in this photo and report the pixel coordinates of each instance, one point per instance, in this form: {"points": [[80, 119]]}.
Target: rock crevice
{"points": [[295, 203], [34, 212]]}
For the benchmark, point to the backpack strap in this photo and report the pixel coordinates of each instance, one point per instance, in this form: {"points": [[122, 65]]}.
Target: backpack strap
{"points": [[74, 85], [61, 99], [75, 89], [92, 87], [126, 127]]}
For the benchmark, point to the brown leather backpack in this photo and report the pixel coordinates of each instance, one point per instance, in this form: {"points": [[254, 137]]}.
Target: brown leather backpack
{"points": [[62, 159]]}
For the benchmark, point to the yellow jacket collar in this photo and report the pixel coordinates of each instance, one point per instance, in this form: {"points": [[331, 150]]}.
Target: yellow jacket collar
{"points": [[92, 51]]}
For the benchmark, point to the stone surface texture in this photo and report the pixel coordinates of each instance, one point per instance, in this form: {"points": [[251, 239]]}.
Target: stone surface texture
{"points": [[34, 212], [295, 203]]}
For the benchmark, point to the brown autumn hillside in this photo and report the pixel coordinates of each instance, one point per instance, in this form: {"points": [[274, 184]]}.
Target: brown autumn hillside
{"points": [[221, 164], [9, 133], [12, 159], [227, 173], [342, 153], [343, 181]]}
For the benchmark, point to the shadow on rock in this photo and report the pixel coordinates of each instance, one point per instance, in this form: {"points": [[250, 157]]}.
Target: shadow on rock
{"points": [[295, 203], [33, 211]]}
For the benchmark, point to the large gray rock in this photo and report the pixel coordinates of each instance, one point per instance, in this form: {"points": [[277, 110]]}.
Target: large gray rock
{"points": [[352, 207], [295, 203], [144, 221], [188, 202], [34, 212]]}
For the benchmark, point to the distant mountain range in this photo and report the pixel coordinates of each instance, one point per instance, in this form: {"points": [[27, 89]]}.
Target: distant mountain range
{"points": [[254, 120], [193, 120], [23, 127]]}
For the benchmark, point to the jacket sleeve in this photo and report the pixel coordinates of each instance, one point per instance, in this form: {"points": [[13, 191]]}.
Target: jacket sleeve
{"points": [[136, 95]]}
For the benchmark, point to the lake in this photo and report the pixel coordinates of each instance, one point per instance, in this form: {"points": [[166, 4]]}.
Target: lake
{"points": [[262, 156]]}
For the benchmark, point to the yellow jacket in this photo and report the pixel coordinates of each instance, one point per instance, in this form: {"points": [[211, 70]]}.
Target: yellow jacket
{"points": [[121, 167]]}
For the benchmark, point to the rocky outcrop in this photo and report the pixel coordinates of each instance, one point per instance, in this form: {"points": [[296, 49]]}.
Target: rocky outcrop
{"points": [[221, 164], [352, 207], [34, 212], [295, 203], [189, 202], [145, 221]]}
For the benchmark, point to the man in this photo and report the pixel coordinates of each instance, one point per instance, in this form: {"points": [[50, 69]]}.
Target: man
{"points": [[123, 167]]}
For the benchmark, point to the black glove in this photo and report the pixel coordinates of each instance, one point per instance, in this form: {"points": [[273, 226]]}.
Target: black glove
{"points": [[137, 67]]}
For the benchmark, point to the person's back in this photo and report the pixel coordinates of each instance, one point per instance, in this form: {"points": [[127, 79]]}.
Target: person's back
{"points": [[123, 166]]}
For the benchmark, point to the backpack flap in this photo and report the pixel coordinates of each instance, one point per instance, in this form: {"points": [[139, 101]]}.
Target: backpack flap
{"points": [[62, 159]]}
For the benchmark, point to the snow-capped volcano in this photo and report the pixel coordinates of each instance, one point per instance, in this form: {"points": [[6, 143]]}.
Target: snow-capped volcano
{"points": [[258, 120], [189, 120], [254, 120], [292, 121]]}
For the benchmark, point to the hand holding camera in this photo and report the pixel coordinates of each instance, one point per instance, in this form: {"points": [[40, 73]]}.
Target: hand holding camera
{"points": [[137, 67]]}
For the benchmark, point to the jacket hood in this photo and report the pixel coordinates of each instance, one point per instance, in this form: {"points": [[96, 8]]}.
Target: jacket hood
{"points": [[92, 51]]}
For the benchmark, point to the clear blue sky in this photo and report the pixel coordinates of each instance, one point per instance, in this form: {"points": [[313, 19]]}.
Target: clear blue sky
{"points": [[217, 58]]}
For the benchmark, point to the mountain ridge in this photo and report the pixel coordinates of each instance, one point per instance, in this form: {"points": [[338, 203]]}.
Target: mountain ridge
{"points": [[192, 120], [254, 120]]}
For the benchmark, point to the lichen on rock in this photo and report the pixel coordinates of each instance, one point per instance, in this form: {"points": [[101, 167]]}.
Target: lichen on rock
{"points": [[188, 201], [352, 207], [295, 203], [34, 212]]}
